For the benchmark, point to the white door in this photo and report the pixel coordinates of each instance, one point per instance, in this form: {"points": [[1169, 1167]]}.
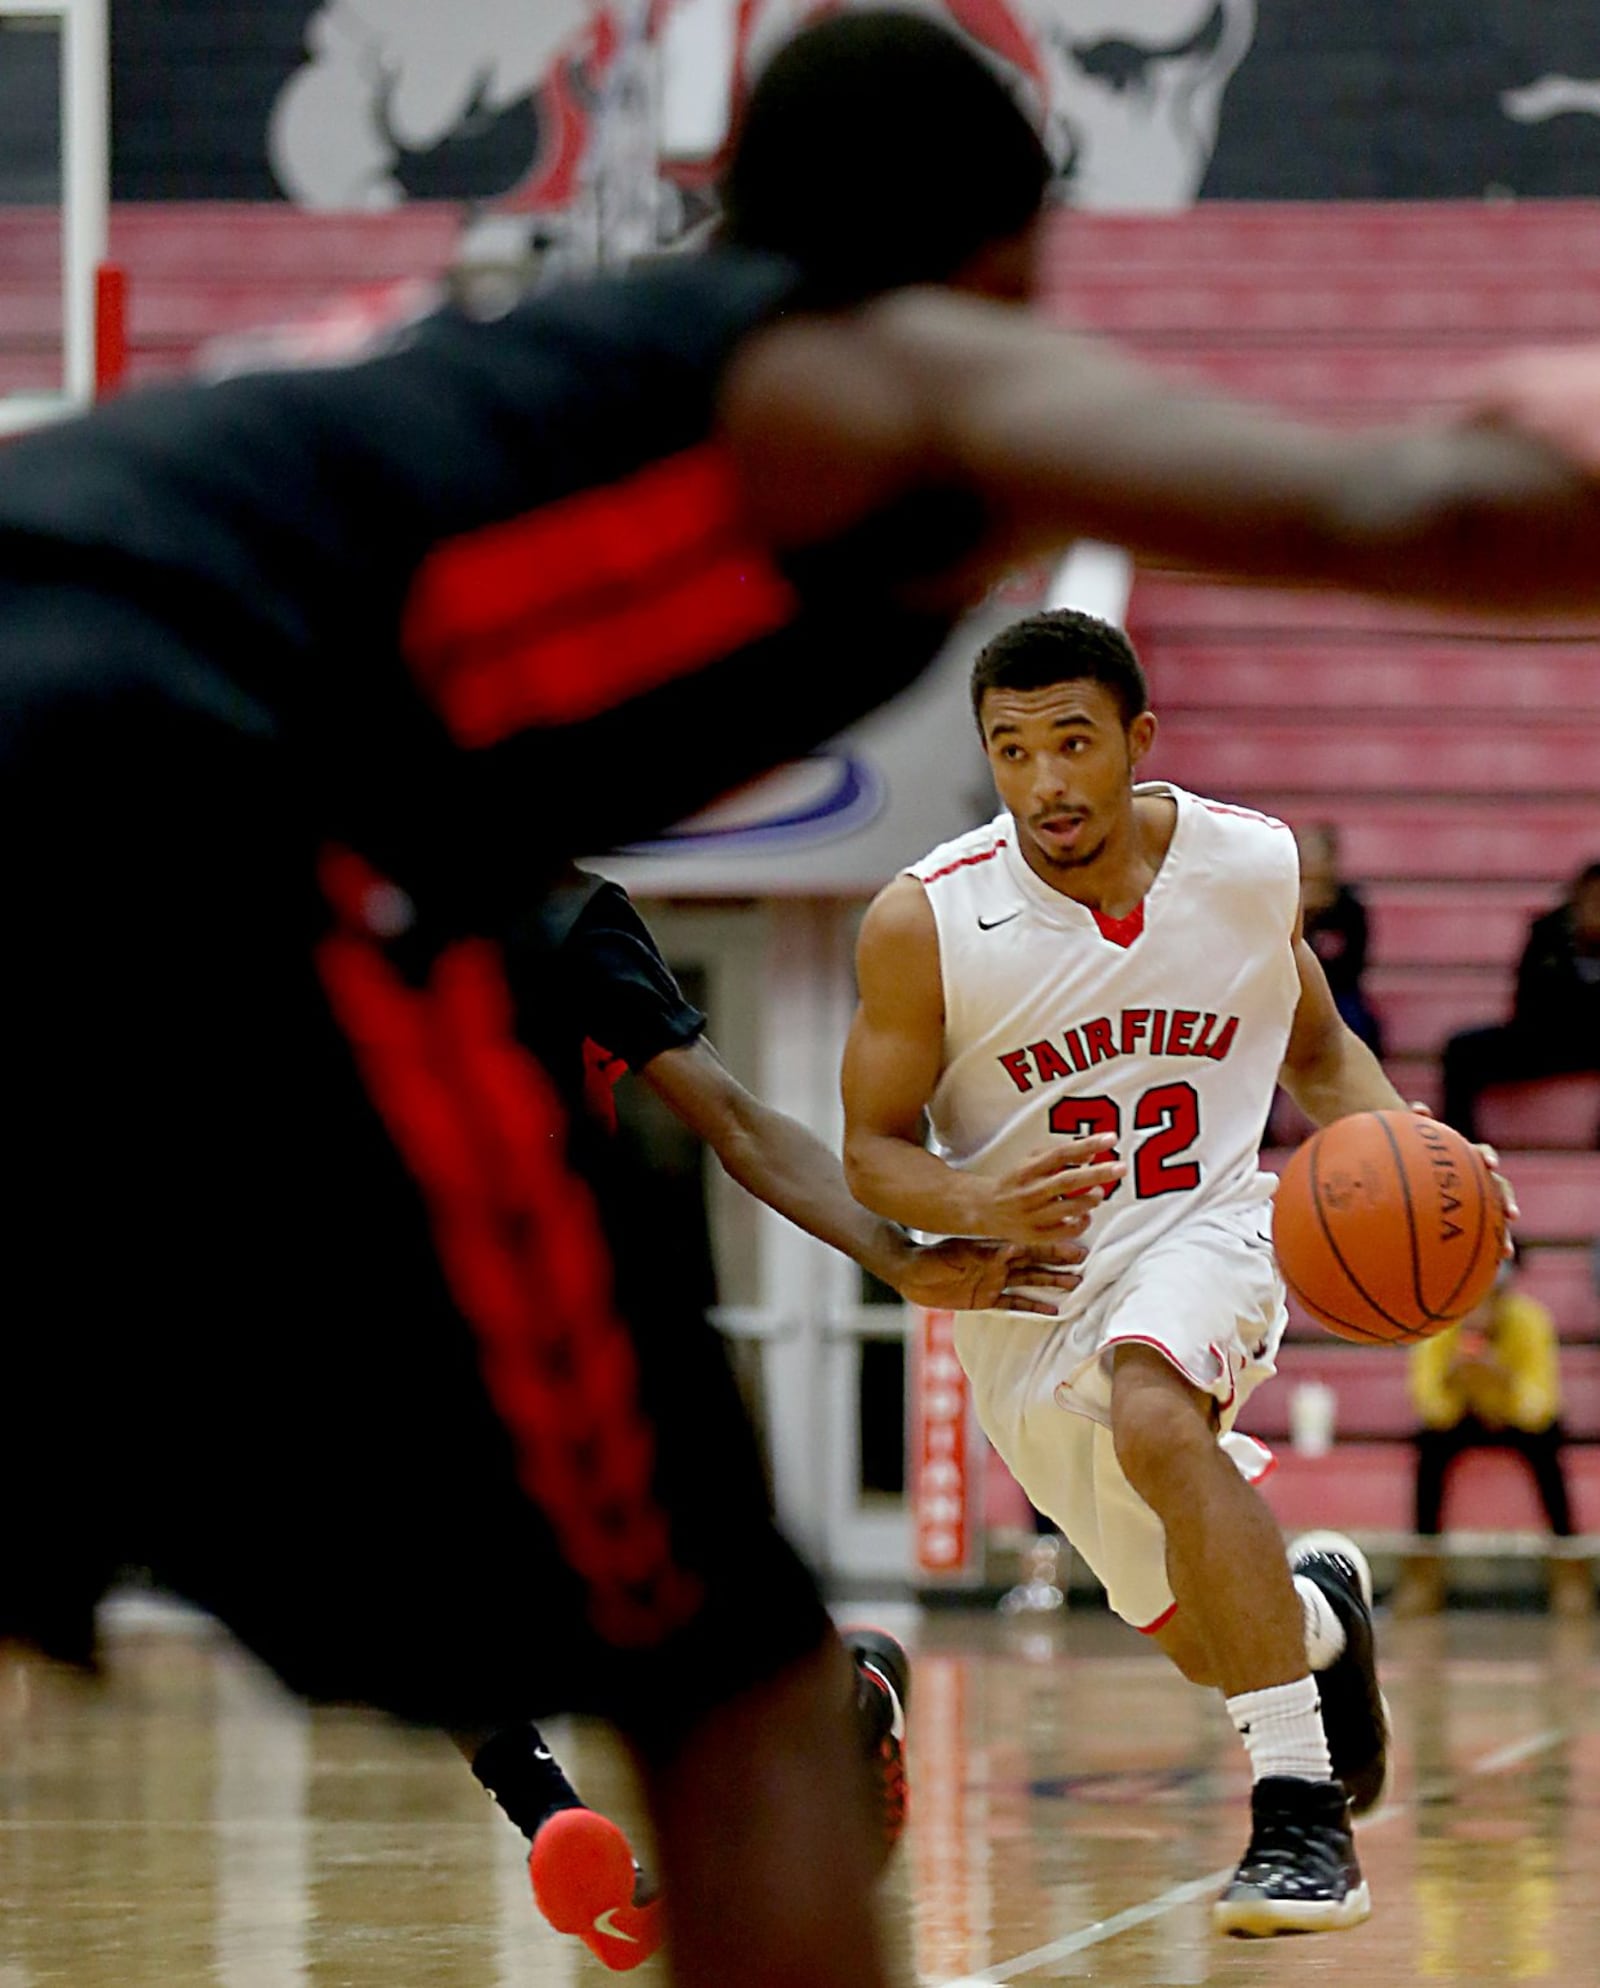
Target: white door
{"points": [[821, 1351]]}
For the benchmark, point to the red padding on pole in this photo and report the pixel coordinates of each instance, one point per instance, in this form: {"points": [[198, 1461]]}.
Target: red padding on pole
{"points": [[110, 328]]}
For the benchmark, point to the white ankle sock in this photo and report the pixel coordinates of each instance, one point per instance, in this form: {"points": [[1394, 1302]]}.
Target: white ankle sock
{"points": [[1282, 1731], [1325, 1637]]}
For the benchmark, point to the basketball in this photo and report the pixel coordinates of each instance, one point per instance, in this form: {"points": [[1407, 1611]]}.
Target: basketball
{"points": [[1388, 1226]]}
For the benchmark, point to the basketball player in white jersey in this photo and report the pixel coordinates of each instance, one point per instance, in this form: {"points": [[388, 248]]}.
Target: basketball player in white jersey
{"points": [[1089, 1002]]}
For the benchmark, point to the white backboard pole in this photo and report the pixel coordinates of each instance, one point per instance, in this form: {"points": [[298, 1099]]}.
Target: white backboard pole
{"points": [[85, 173]]}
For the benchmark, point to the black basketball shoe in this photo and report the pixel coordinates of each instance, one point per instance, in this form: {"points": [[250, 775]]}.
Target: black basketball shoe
{"points": [[883, 1690], [1300, 1873], [1355, 1714]]}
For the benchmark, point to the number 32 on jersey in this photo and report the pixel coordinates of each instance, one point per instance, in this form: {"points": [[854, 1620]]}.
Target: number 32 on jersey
{"points": [[1169, 1116]]}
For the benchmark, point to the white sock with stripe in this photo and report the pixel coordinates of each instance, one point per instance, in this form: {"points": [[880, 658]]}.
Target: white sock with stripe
{"points": [[1282, 1731]]}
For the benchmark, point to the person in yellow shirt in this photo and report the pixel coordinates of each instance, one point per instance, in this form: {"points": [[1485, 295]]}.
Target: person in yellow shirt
{"points": [[1491, 1382]]}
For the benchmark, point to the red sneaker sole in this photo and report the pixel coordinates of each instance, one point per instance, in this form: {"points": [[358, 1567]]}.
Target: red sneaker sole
{"points": [[583, 1877]]}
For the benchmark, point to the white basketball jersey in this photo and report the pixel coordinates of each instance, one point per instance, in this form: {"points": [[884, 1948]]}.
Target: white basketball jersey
{"points": [[1167, 1027]]}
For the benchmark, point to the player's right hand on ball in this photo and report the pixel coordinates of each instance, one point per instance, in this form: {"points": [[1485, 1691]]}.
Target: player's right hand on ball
{"points": [[1053, 1196], [1502, 1186]]}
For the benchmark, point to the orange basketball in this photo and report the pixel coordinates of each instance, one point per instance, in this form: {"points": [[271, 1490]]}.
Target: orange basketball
{"points": [[1388, 1226]]}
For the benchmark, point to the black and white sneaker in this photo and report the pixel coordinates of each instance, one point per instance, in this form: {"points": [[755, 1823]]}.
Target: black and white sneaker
{"points": [[1300, 1873], [883, 1690], [1355, 1713]]}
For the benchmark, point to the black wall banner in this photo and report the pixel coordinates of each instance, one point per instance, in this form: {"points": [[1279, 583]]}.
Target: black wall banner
{"points": [[1414, 100], [352, 104], [359, 104]]}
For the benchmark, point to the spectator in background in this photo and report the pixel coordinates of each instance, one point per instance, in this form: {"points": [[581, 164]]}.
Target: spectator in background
{"points": [[1491, 1382], [1555, 1016], [1335, 922]]}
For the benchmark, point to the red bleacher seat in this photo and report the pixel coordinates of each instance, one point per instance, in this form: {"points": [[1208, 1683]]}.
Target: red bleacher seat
{"points": [[1487, 308], [1562, 1278], [1421, 1006], [1559, 1195], [1550, 1111], [1373, 1395], [1522, 837], [1417, 242], [199, 269], [1261, 677], [1369, 1487], [1218, 755], [1416, 1078], [271, 240], [30, 372], [31, 312], [1451, 924], [1195, 607]]}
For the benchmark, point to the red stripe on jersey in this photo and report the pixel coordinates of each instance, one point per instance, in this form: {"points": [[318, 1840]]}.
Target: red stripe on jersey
{"points": [[602, 1072], [1120, 931], [519, 1241], [1244, 814], [560, 614], [963, 863]]}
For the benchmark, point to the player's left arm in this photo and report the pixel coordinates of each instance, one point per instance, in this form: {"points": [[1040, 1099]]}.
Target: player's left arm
{"points": [[780, 1162], [1330, 1072], [1327, 1069]]}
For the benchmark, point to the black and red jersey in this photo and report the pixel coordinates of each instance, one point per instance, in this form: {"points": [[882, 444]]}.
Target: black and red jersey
{"points": [[491, 589], [607, 1002]]}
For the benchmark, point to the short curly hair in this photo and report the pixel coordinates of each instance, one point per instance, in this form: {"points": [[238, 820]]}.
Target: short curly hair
{"points": [[878, 149], [1061, 645]]}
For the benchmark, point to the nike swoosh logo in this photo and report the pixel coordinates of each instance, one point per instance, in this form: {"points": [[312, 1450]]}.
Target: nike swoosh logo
{"points": [[988, 924], [603, 1925]]}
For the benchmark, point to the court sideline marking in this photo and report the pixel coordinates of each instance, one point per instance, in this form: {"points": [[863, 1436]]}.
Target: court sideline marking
{"points": [[1101, 1930]]}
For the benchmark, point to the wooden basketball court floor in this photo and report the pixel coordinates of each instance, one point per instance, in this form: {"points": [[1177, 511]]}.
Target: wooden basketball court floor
{"points": [[1075, 1805]]}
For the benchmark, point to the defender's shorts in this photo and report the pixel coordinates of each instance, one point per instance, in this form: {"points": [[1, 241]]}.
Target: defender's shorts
{"points": [[1209, 1297], [315, 1307]]}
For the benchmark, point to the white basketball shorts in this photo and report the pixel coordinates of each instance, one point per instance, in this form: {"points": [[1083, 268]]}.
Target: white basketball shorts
{"points": [[1208, 1296]]}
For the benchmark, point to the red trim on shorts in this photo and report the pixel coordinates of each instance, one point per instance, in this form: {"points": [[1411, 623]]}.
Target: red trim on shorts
{"points": [[567, 611], [1227, 1367], [1166, 1352], [479, 1127], [1160, 1623], [961, 863]]}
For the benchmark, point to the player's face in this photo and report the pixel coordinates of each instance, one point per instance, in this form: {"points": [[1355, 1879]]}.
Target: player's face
{"points": [[1063, 763]]}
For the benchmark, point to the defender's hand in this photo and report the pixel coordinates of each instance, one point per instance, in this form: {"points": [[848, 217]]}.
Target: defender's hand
{"points": [[963, 1275], [1503, 1187], [1551, 394]]}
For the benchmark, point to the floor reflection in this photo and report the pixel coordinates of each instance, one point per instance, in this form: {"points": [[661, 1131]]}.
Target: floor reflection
{"points": [[188, 1823]]}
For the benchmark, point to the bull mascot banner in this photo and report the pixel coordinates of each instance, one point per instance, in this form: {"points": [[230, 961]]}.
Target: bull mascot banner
{"points": [[356, 105]]}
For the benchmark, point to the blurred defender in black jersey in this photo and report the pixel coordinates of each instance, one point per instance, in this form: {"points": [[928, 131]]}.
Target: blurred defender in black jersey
{"points": [[308, 684], [605, 1004]]}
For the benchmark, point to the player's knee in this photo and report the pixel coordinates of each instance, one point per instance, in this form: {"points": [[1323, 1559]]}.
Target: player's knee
{"points": [[1152, 1439], [1158, 1426]]}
